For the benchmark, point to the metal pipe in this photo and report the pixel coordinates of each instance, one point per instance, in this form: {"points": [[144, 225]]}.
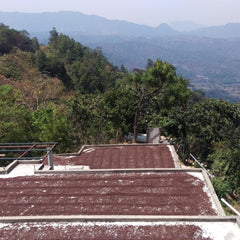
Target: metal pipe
{"points": [[24, 158], [24, 146], [50, 158], [38, 143], [27, 151], [52, 147], [211, 175], [24, 150], [232, 208]]}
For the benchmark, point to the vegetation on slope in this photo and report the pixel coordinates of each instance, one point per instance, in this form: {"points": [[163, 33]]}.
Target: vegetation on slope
{"points": [[71, 94]]}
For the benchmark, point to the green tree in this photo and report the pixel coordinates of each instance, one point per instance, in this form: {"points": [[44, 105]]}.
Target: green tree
{"points": [[18, 65], [221, 186], [51, 125], [88, 119], [226, 166], [53, 37], [15, 119], [10, 40], [202, 125], [160, 84], [55, 68], [41, 60], [150, 63], [92, 74], [119, 106], [35, 44], [196, 96]]}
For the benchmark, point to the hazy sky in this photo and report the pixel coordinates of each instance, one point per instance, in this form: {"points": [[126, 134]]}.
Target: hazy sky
{"points": [[149, 12]]}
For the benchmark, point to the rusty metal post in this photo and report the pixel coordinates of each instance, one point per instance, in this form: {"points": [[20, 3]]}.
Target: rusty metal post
{"points": [[50, 158]]}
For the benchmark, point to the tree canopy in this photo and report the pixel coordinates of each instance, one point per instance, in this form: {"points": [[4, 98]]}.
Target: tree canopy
{"points": [[11, 39], [157, 88], [72, 94]]}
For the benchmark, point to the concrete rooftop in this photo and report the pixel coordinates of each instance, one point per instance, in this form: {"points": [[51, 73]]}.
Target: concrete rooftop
{"points": [[112, 192], [170, 229], [120, 157], [146, 193]]}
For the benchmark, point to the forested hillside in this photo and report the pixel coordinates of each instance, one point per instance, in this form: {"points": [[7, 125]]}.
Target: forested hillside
{"points": [[207, 56], [69, 93], [211, 65]]}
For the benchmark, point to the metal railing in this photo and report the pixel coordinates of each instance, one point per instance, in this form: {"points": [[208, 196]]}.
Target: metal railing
{"points": [[25, 148]]}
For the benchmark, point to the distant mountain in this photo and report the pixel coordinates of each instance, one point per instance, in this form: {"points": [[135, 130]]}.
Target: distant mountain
{"points": [[209, 56], [185, 26], [77, 22], [230, 30], [81, 24], [165, 30], [210, 64]]}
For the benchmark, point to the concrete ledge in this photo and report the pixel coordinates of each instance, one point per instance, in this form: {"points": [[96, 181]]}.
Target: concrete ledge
{"points": [[127, 145], [110, 145], [34, 161], [72, 154], [9, 167], [238, 221], [174, 156], [213, 194], [116, 218], [129, 170], [12, 165]]}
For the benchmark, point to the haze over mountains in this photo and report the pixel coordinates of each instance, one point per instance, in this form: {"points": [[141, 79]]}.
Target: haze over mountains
{"points": [[184, 26], [208, 56], [90, 24]]}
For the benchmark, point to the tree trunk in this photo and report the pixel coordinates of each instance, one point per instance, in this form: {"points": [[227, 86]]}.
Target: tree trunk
{"points": [[137, 113], [135, 126]]}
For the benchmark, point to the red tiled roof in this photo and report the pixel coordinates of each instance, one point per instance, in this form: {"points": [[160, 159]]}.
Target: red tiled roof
{"points": [[162, 193], [121, 157]]}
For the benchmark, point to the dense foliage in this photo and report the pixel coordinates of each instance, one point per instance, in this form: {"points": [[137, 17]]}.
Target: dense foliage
{"points": [[71, 94], [210, 130], [63, 92], [11, 40]]}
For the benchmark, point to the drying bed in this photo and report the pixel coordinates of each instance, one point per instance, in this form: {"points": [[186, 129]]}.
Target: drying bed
{"points": [[99, 231], [120, 157], [198, 230], [149, 193]]}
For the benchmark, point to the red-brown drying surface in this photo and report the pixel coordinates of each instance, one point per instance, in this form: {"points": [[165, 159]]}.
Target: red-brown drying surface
{"points": [[100, 231], [121, 157], [166, 193]]}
